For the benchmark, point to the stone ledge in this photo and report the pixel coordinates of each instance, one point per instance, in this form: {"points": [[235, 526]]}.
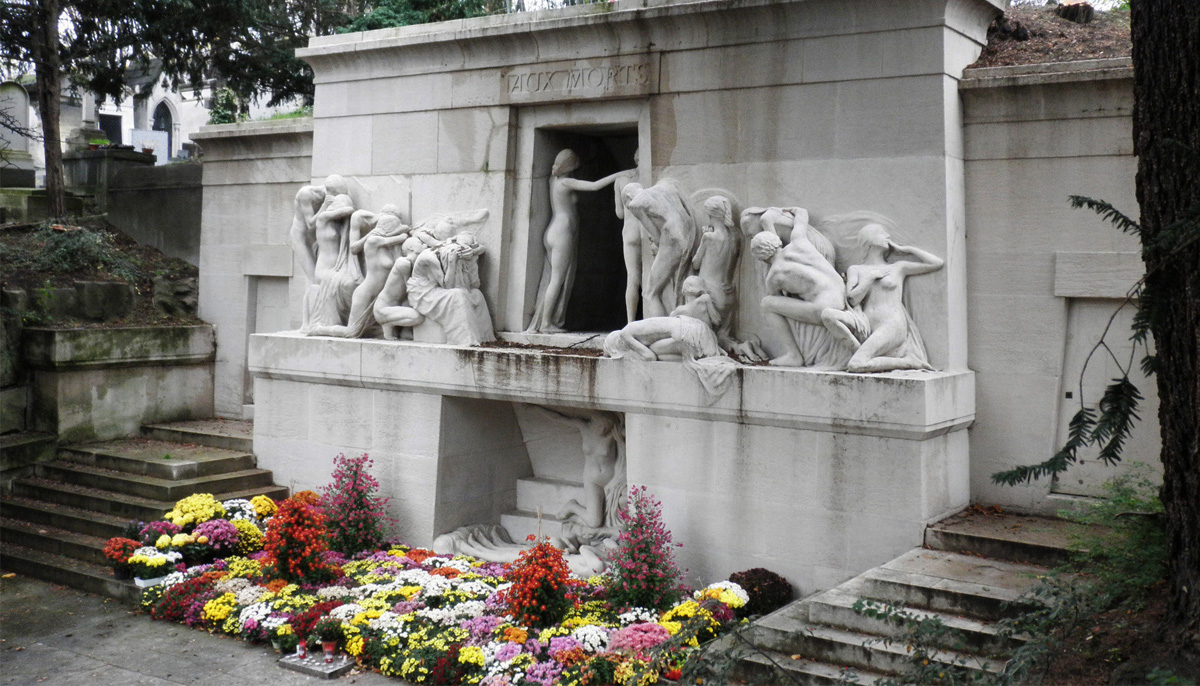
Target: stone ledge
{"points": [[271, 127], [71, 349], [1047, 73], [909, 405]]}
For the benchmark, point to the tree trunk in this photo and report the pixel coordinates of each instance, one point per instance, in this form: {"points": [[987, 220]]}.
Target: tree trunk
{"points": [[49, 74], [1166, 117]]}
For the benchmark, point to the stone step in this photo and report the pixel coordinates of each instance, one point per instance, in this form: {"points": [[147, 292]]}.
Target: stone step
{"points": [[117, 504], [520, 525], [85, 576], [835, 608], [787, 631], [979, 587], [551, 494], [152, 487], [52, 540], [1043, 541], [19, 452], [159, 459], [64, 517], [230, 434], [770, 667]]}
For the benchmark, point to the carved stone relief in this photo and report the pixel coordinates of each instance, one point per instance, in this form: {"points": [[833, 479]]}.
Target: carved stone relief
{"points": [[370, 271], [590, 524]]}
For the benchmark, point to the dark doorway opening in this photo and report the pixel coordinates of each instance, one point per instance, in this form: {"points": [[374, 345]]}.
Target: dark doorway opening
{"points": [[110, 124], [597, 301], [164, 122]]}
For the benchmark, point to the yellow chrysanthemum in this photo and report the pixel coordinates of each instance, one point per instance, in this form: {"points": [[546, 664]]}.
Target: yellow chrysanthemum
{"points": [[264, 507], [195, 509], [250, 538]]}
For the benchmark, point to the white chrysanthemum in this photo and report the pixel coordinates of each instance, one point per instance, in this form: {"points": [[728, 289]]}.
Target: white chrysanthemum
{"points": [[592, 638], [333, 592], [475, 588], [637, 615], [240, 508], [346, 612]]}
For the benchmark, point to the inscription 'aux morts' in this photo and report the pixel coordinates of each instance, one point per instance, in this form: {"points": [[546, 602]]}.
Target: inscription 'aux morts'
{"points": [[580, 79]]}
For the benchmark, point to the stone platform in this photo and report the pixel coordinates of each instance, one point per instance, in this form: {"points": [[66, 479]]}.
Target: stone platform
{"points": [[816, 475]]}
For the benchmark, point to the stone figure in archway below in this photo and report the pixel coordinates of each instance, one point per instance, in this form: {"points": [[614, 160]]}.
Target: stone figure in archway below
{"points": [[878, 325], [663, 213], [337, 271], [390, 311], [801, 282], [603, 441], [379, 248], [561, 242], [589, 528], [444, 287]]}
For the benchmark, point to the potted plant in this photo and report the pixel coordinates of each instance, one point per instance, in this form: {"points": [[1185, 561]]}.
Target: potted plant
{"points": [[283, 638], [118, 551], [96, 143], [329, 632], [290, 643]]}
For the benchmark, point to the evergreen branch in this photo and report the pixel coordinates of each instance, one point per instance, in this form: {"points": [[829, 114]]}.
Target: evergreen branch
{"points": [[1118, 412], [1106, 210]]}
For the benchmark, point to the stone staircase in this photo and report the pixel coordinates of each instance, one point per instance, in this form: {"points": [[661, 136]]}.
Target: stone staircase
{"points": [[551, 495], [54, 524], [821, 639]]}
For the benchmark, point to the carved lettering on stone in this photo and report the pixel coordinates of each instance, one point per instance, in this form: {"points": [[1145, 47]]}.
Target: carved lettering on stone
{"points": [[575, 80]]}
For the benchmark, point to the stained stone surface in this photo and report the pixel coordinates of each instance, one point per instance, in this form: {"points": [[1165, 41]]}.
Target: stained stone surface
{"points": [[55, 635]]}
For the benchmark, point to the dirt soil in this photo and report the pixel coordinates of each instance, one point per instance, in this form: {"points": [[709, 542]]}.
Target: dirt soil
{"points": [[21, 244], [1124, 646], [1054, 39]]}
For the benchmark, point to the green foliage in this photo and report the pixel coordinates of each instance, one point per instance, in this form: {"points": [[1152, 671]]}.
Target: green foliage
{"points": [[81, 249], [299, 112], [1125, 549], [1122, 556], [225, 108], [384, 14], [927, 639]]}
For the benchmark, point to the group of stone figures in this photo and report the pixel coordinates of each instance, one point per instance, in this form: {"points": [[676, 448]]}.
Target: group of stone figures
{"points": [[834, 292], [372, 272]]}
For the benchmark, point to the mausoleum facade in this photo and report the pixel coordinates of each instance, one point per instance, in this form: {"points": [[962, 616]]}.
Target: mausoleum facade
{"points": [[748, 287]]}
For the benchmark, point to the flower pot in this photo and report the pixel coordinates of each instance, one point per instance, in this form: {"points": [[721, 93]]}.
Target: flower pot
{"points": [[276, 646], [147, 583], [330, 649]]}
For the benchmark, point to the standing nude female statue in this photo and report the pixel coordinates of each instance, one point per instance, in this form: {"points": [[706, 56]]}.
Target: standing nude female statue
{"points": [[561, 241]]}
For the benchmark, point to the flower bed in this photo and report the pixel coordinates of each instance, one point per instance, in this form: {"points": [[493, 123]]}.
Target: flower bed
{"points": [[409, 612]]}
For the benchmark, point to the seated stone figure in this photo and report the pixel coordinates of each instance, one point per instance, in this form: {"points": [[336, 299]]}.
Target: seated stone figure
{"points": [[444, 287], [878, 327]]}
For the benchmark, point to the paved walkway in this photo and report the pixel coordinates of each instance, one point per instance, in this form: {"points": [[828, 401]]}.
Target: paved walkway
{"points": [[55, 635]]}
